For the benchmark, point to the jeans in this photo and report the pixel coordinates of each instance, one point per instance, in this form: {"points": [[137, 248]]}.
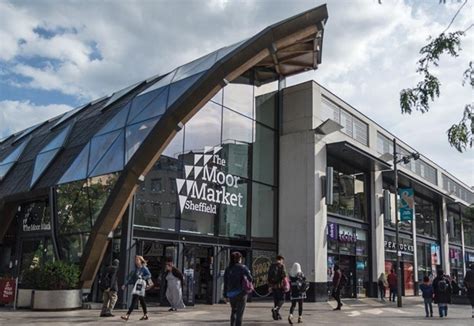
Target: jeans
{"points": [[109, 298], [393, 294], [443, 309], [136, 298], [237, 305], [278, 298], [336, 293], [300, 306], [382, 292], [428, 306]]}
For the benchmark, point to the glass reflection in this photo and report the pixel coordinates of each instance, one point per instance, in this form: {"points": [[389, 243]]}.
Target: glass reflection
{"points": [[204, 128], [263, 154], [236, 128], [240, 98], [263, 205]]}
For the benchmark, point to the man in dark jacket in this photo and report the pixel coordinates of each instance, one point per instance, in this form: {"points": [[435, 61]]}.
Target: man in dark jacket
{"points": [[337, 284], [276, 278], [469, 284], [392, 284], [442, 293], [109, 286]]}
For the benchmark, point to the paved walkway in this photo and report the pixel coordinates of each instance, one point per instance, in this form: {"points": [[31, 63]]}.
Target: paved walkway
{"points": [[365, 312]]}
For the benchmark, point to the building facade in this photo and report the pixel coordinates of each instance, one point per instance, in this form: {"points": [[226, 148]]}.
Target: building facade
{"points": [[220, 156]]}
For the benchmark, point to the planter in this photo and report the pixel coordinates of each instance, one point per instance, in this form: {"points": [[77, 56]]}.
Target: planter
{"points": [[24, 298], [57, 299]]}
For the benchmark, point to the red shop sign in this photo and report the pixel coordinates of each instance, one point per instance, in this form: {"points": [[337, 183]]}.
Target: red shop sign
{"points": [[7, 290]]}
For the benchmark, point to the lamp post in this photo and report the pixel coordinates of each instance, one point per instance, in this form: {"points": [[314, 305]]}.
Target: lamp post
{"points": [[396, 160]]}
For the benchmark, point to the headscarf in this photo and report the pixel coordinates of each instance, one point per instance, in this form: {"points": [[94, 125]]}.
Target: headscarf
{"points": [[295, 270]]}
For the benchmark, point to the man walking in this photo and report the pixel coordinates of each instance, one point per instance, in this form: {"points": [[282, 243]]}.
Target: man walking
{"points": [[338, 281], [109, 286], [392, 284], [442, 293], [276, 278], [469, 284]]}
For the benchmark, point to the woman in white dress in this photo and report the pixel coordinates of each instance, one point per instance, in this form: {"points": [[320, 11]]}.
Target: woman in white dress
{"points": [[174, 286]]}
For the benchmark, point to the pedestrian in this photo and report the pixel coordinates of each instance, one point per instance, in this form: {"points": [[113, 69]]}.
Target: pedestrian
{"points": [[140, 280], [382, 285], [338, 282], [174, 281], [277, 278], [392, 284], [109, 286], [427, 292], [298, 288], [237, 285], [442, 293], [469, 285]]}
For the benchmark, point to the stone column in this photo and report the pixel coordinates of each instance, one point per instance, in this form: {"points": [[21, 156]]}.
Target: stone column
{"points": [[377, 230], [444, 241]]}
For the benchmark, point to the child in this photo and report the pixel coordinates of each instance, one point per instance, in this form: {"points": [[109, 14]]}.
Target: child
{"points": [[427, 291]]}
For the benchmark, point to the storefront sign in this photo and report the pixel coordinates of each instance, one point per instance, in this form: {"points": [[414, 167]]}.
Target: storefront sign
{"points": [[347, 237], [207, 185], [435, 254], [260, 267], [404, 247], [7, 290], [333, 231], [407, 204], [33, 218]]}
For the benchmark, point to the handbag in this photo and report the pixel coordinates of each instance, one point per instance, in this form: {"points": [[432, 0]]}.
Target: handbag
{"points": [[139, 287], [149, 284], [247, 286], [286, 284]]}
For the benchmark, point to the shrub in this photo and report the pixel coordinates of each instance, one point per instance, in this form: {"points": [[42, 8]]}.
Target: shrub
{"points": [[29, 278], [58, 275]]}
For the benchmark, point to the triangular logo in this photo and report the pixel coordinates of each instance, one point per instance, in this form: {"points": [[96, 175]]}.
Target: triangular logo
{"points": [[217, 149], [197, 157], [197, 171], [182, 202], [188, 169], [189, 186], [179, 184], [207, 149], [207, 158]]}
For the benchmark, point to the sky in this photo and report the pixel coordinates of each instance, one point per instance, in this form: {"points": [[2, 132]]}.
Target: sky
{"points": [[57, 55]]}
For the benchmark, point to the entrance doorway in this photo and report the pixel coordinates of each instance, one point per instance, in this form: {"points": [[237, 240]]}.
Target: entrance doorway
{"points": [[408, 280], [198, 270]]}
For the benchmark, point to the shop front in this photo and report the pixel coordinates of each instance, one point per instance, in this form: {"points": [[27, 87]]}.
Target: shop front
{"points": [[406, 261], [428, 258], [456, 263], [348, 248]]}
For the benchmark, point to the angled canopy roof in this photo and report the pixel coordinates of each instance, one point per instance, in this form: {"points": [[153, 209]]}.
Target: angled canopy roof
{"points": [[105, 135]]}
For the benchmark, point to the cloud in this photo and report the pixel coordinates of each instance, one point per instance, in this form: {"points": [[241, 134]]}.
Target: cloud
{"points": [[30, 114]]}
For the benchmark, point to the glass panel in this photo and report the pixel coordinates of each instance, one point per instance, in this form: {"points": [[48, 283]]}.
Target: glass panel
{"points": [[149, 105], [349, 195], [197, 222], [218, 97], [73, 208], [454, 222], [4, 169], [226, 50], [263, 211], [58, 141], [15, 155], [330, 111], [265, 108], [135, 135], [204, 128], [236, 128], [99, 146], [69, 114], [112, 160], [165, 81], [99, 189], [346, 122], [196, 66], [41, 163], [233, 218], [426, 217], [78, 169], [156, 108], [117, 122], [175, 147], [360, 131], [118, 95], [263, 155], [237, 158], [239, 98], [34, 216], [177, 89], [72, 247]]}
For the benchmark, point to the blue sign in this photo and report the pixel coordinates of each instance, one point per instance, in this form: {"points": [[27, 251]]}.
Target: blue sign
{"points": [[407, 204]]}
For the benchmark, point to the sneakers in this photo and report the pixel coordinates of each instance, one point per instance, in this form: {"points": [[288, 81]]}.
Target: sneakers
{"points": [[290, 319], [274, 314], [300, 320]]}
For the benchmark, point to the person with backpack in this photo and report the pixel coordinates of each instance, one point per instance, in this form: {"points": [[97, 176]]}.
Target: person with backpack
{"points": [[140, 281], [442, 293], [174, 281], [108, 284], [427, 292], [277, 285], [298, 288], [338, 282], [237, 286], [469, 285], [382, 285], [392, 284]]}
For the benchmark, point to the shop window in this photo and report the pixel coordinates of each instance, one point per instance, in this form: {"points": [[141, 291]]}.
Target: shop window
{"points": [[263, 155], [454, 227], [349, 195], [426, 217], [263, 211], [468, 226]]}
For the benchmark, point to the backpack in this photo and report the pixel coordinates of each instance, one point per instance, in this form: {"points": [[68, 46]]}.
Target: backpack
{"points": [[302, 285], [274, 274], [105, 281], [443, 286]]}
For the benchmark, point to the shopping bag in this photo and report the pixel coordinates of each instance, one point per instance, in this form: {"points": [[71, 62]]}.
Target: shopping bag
{"points": [[139, 287]]}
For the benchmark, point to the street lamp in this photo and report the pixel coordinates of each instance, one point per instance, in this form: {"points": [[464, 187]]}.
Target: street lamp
{"points": [[397, 158]]}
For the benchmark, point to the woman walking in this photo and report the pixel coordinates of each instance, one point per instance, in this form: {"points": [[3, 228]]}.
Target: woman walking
{"points": [[382, 284], [139, 278], [298, 288], [236, 277], [174, 286]]}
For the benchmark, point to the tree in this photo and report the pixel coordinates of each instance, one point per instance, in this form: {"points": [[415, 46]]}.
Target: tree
{"points": [[460, 135]]}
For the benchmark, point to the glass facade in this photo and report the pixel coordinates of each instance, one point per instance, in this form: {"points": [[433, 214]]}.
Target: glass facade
{"points": [[454, 227], [427, 217], [349, 195], [217, 176]]}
